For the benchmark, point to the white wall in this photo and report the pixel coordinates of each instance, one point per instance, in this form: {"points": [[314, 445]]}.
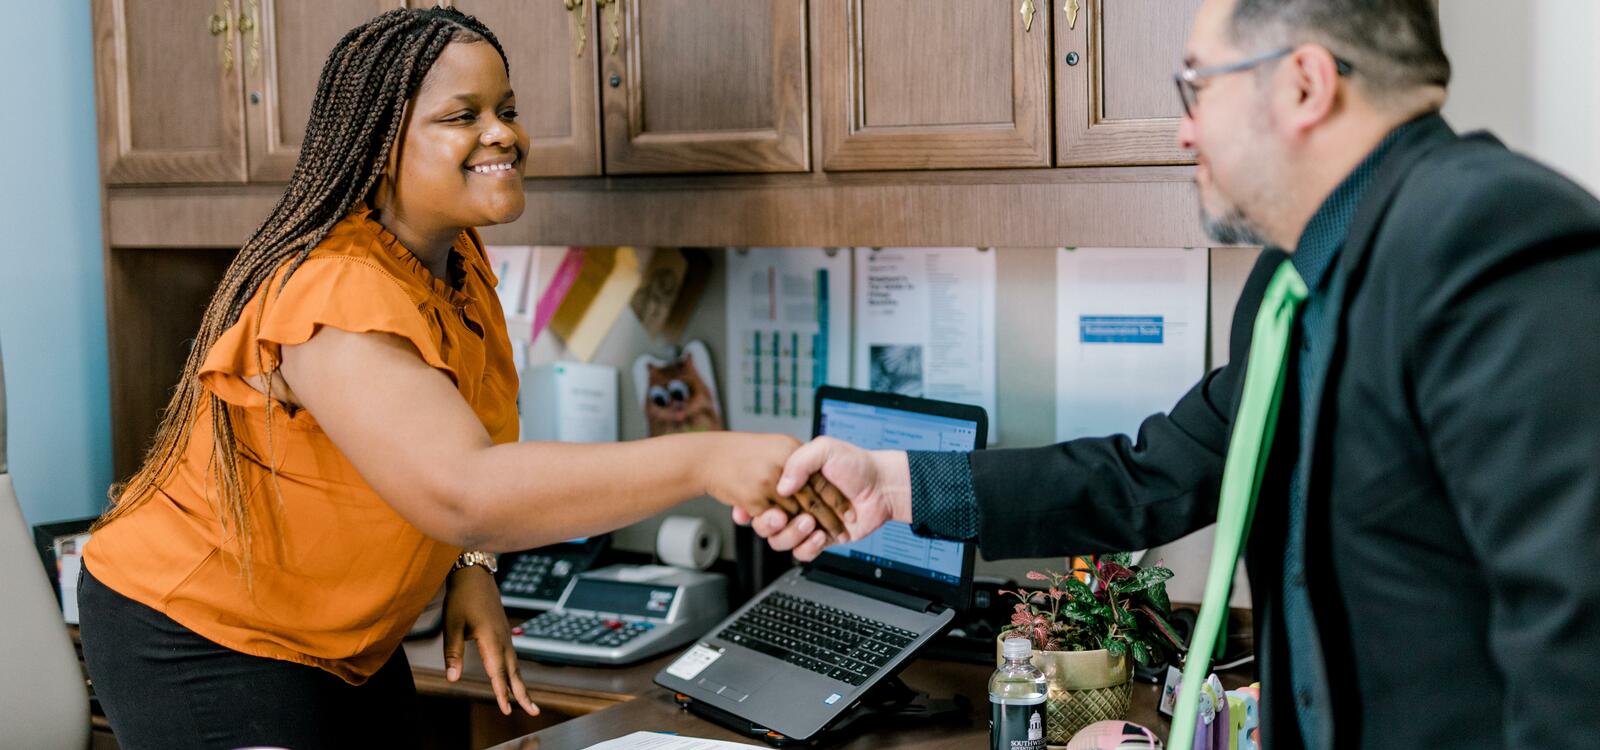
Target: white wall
{"points": [[1529, 71], [52, 291]]}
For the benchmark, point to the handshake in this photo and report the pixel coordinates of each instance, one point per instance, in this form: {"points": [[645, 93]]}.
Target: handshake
{"points": [[807, 497]]}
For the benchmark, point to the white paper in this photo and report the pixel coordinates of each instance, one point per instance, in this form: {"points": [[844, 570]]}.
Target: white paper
{"points": [[516, 267], [70, 565], [788, 312], [1130, 335], [510, 264], [694, 661], [925, 324], [573, 402], [637, 573], [655, 741]]}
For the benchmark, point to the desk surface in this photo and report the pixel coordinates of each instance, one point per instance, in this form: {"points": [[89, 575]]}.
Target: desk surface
{"points": [[569, 689], [654, 710], [617, 701]]}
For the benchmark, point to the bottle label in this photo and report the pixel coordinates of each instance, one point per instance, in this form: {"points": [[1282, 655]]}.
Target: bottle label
{"points": [[1018, 727]]}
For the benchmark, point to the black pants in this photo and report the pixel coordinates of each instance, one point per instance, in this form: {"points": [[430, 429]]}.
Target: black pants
{"points": [[164, 687]]}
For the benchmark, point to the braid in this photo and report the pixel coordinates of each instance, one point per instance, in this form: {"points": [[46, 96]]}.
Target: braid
{"points": [[356, 115]]}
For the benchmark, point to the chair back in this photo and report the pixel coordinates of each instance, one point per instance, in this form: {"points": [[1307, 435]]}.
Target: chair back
{"points": [[44, 702]]}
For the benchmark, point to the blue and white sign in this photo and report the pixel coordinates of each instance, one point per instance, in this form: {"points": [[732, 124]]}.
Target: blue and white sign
{"points": [[1121, 329]]}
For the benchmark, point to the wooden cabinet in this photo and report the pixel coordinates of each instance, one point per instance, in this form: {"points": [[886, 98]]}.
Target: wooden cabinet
{"points": [[168, 82], [219, 91], [933, 84], [202, 91], [704, 85], [154, 302], [553, 56], [282, 47], [1115, 100]]}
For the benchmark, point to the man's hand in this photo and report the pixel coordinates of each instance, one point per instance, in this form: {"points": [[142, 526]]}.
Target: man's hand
{"points": [[745, 471], [472, 611], [877, 485]]}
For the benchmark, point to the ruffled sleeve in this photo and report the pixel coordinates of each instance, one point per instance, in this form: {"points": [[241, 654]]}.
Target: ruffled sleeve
{"points": [[349, 293]]}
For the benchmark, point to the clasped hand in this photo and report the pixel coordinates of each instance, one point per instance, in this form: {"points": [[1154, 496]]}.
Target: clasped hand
{"points": [[747, 477], [798, 497], [828, 492]]}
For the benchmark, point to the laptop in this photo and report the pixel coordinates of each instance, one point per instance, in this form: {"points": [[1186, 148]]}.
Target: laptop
{"points": [[808, 647]]}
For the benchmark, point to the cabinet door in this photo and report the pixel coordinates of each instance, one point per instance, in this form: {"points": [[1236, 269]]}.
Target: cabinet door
{"points": [[934, 84], [168, 83], [554, 72], [282, 47], [1115, 100], [704, 85]]}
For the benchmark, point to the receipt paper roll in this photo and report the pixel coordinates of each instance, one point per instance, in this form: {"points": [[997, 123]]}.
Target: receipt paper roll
{"points": [[687, 542]]}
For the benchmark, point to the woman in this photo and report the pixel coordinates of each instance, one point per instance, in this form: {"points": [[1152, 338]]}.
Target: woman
{"points": [[346, 425]]}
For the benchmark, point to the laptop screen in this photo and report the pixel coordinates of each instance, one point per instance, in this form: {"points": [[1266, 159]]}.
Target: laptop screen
{"points": [[880, 426]]}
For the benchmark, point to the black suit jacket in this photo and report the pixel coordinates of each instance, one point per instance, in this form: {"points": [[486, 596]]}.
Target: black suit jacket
{"points": [[1453, 528]]}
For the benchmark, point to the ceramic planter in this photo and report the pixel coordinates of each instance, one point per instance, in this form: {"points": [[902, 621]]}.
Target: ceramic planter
{"points": [[1085, 687]]}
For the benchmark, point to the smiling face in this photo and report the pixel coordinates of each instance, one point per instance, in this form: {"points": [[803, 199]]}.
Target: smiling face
{"points": [[460, 160]]}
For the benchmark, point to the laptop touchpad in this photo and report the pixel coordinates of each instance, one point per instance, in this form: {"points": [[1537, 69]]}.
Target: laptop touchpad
{"points": [[733, 682]]}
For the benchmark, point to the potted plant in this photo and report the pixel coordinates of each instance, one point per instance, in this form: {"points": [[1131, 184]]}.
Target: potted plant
{"points": [[1085, 625]]}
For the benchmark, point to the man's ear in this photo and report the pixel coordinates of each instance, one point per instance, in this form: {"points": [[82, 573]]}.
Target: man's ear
{"points": [[1308, 88]]}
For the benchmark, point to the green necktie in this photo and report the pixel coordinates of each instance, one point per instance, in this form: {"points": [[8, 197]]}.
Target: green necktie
{"points": [[1253, 425]]}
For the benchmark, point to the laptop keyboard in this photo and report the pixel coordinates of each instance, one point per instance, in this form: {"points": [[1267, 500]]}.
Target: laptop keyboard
{"points": [[826, 640]]}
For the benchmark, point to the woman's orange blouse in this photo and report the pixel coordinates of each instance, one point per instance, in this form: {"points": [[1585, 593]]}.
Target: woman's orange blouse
{"points": [[338, 576]]}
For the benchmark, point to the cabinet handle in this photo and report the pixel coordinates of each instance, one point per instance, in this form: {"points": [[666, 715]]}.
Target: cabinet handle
{"points": [[1027, 10], [218, 25], [579, 13], [1072, 7], [613, 10], [249, 24]]}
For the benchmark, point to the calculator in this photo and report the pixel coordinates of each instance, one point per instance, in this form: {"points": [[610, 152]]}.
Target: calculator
{"points": [[623, 614], [535, 579]]}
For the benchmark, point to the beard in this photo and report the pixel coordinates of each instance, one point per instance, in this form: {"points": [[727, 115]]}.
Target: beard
{"points": [[1256, 188], [1230, 228]]}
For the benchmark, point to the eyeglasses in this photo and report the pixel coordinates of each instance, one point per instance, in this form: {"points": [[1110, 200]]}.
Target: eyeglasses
{"points": [[1189, 92]]}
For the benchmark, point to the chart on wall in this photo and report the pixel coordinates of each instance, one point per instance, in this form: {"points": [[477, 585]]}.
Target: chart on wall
{"points": [[925, 324], [1131, 335], [788, 313]]}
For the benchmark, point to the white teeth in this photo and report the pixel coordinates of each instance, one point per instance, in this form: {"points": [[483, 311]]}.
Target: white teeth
{"points": [[492, 168]]}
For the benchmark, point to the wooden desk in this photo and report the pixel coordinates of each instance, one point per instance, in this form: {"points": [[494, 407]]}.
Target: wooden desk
{"points": [[584, 705], [655, 710], [570, 690], [464, 714]]}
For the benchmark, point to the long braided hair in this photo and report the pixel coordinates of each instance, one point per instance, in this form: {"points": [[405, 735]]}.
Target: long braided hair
{"points": [[355, 115]]}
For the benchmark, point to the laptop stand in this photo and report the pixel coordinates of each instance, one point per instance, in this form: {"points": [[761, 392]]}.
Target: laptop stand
{"points": [[887, 703]]}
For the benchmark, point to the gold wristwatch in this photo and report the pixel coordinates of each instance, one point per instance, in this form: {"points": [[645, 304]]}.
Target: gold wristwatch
{"points": [[476, 557]]}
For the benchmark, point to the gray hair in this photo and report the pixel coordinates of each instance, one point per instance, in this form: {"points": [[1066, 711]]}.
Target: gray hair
{"points": [[1393, 46]]}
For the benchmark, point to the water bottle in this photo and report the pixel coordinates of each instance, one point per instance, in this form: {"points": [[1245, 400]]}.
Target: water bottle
{"points": [[1016, 698]]}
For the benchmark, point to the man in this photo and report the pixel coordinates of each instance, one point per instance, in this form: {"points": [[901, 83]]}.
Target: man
{"points": [[1424, 538]]}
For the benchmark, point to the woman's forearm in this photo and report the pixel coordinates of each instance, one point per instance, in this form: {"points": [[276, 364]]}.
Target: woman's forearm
{"points": [[424, 450], [522, 495]]}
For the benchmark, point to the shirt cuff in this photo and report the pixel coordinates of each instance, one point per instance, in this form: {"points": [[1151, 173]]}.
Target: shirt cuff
{"points": [[943, 503]]}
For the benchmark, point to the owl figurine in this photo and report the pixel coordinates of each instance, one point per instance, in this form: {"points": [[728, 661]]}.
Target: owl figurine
{"points": [[679, 393]]}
